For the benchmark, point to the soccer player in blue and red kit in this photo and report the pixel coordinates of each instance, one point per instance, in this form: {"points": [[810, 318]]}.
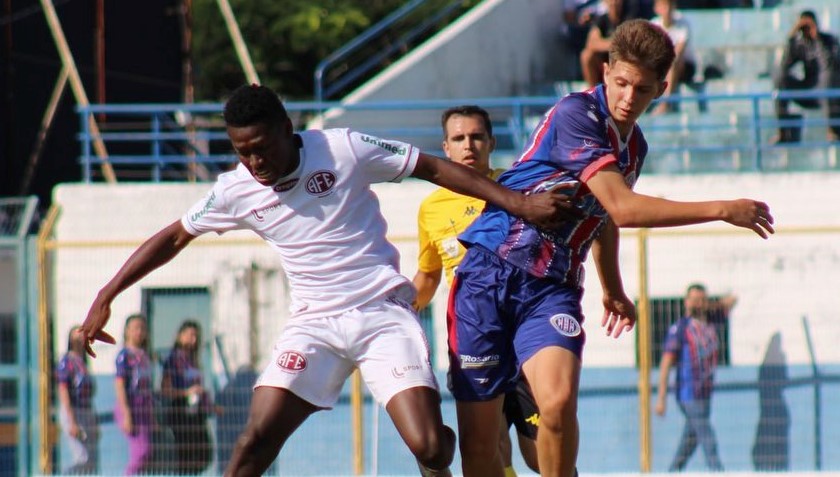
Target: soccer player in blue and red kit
{"points": [[517, 293]]}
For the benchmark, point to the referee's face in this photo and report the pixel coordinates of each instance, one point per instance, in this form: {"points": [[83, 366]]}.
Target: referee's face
{"points": [[467, 142], [266, 150]]}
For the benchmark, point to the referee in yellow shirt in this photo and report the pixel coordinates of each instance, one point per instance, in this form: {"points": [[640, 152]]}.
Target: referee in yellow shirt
{"points": [[468, 139]]}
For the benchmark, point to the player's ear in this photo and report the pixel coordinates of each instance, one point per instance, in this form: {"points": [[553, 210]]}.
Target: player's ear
{"points": [[445, 146], [492, 143], [662, 86]]}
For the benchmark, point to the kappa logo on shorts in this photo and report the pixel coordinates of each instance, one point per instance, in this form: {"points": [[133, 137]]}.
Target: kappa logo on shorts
{"points": [[321, 183], [291, 361], [565, 324]]}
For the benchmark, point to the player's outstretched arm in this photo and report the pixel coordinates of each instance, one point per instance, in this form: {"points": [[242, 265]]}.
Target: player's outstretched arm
{"points": [[547, 210], [156, 251], [619, 310], [629, 209]]}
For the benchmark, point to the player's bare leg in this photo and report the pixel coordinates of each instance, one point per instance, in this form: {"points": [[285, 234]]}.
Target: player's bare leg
{"points": [[478, 428], [275, 414], [554, 376], [416, 415]]}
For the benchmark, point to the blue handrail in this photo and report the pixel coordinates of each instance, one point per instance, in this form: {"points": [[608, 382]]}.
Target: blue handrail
{"points": [[147, 134], [360, 40]]}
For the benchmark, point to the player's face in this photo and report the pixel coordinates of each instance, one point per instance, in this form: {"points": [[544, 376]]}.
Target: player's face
{"points": [[188, 338], [630, 90], [467, 142], [135, 332], [267, 151], [696, 303]]}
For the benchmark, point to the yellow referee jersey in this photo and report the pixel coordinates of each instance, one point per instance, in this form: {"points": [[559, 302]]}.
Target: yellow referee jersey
{"points": [[443, 215]]}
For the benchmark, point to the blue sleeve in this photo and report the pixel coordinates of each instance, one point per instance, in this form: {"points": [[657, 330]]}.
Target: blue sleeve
{"points": [[579, 134], [673, 339], [123, 366], [63, 372]]}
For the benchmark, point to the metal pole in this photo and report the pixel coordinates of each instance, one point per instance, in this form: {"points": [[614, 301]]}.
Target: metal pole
{"points": [[76, 84], [44, 364], [46, 123], [358, 433], [643, 330], [238, 42]]}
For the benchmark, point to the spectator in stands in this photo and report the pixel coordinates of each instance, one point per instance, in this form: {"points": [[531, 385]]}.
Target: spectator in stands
{"points": [[692, 346], [133, 387], [77, 415], [578, 16], [516, 306], [308, 195], [596, 49], [817, 53], [679, 30], [189, 404], [468, 139]]}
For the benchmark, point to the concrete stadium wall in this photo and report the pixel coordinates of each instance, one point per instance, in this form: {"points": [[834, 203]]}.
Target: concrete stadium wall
{"points": [[777, 281], [474, 57]]}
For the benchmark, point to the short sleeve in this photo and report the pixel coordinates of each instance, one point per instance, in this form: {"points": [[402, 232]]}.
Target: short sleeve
{"points": [[428, 259], [123, 366], [63, 372], [209, 214], [384, 160], [672, 339], [581, 144]]}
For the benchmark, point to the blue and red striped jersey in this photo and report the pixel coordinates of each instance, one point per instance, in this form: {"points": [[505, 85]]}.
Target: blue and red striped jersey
{"points": [[575, 139]]}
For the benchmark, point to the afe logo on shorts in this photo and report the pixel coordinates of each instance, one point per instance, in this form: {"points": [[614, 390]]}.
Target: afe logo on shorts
{"points": [[291, 361], [320, 183], [566, 325]]}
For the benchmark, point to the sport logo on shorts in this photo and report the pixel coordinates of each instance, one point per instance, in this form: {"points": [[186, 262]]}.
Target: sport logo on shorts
{"points": [[565, 324], [320, 183], [291, 361]]}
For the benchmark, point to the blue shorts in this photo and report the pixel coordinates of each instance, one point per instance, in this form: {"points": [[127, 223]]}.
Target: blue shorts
{"points": [[498, 317]]}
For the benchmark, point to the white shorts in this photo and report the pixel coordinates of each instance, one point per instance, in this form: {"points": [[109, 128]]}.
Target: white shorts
{"points": [[383, 338]]}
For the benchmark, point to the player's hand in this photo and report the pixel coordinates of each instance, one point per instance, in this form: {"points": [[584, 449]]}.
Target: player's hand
{"points": [[551, 209], [750, 214], [619, 315], [92, 328], [660, 408]]}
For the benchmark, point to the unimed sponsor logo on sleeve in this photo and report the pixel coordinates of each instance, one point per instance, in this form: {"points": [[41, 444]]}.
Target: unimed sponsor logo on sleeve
{"points": [[210, 200], [392, 148]]}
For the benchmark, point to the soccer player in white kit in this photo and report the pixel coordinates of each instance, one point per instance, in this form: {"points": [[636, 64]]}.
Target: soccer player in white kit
{"points": [[308, 196]]}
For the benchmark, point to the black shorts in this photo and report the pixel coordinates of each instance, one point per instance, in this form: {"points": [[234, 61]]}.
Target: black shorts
{"points": [[521, 410]]}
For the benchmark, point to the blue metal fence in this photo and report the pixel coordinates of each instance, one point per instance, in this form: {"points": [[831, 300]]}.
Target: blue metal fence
{"points": [[158, 141]]}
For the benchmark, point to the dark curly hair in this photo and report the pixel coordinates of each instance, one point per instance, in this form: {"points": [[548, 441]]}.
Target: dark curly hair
{"points": [[254, 104]]}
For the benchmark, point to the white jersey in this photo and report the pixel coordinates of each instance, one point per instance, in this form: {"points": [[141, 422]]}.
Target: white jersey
{"points": [[323, 219]]}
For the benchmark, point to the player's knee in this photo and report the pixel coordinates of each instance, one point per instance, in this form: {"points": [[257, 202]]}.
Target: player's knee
{"points": [[434, 450], [558, 411]]}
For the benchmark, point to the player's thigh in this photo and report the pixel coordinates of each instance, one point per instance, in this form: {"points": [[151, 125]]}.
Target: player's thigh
{"points": [[309, 360], [276, 413], [549, 315], [481, 359], [391, 350], [554, 376], [479, 423]]}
